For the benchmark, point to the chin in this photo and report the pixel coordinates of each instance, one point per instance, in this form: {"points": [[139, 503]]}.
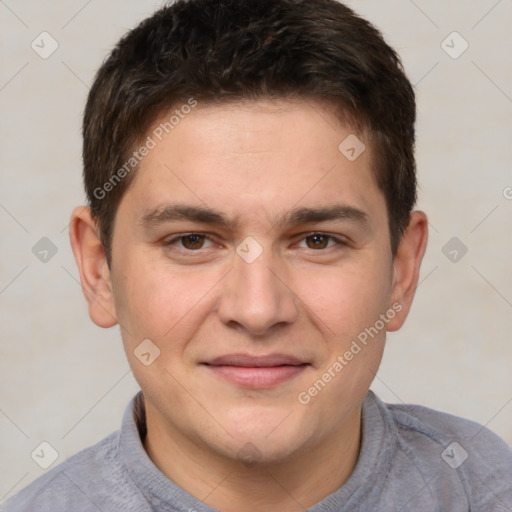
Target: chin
{"points": [[267, 437]]}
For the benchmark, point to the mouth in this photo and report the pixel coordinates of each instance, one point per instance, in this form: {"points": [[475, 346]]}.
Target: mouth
{"points": [[256, 372]]}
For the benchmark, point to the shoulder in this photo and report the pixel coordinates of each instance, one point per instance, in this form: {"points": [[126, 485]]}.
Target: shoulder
{"points": [[79, 483], [441, 427], [461, 452]]}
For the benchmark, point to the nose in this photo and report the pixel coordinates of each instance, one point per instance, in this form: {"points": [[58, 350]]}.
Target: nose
{"points": [[257, 296]]}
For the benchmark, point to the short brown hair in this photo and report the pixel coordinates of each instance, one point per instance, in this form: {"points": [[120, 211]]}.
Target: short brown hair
{"points": [[227, 50]]}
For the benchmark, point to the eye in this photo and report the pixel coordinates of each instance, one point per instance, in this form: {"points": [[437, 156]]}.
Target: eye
{"points": [[317, 241], [188, 241]]}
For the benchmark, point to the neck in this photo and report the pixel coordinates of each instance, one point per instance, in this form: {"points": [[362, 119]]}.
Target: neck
{"points": [[229, 486]]}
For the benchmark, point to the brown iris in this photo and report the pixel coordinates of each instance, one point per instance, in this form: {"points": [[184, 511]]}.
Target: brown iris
{"points": [[319, 241], [194, 241]]}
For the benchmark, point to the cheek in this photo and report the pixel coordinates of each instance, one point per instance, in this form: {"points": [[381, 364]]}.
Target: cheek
{"points": [[349, 303], [347, 299], [159, 301]]}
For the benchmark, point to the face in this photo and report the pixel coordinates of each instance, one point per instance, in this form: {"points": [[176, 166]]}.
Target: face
{"points": [[255, 256]]}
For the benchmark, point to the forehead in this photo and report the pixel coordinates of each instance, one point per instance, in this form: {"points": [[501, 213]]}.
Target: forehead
{"points": [[258, 158]]}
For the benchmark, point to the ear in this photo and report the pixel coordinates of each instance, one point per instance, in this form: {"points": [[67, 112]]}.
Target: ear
{"points": [[406, 267], [93, 268]]}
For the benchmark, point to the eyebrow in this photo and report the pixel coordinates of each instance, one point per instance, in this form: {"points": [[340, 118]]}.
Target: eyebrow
{"points": [[205, 215]]}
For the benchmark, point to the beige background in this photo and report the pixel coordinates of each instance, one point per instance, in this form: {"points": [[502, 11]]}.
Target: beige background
{"points": [[65, 381]]}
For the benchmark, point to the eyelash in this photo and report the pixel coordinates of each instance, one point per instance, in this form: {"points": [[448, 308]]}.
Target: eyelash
{"points": [[340, 242]]}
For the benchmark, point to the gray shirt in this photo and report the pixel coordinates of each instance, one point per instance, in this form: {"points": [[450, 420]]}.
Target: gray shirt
{"points": [[412, 459]]}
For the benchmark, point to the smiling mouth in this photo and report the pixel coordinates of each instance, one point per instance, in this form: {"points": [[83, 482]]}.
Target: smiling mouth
{"points": [[256, 372]]}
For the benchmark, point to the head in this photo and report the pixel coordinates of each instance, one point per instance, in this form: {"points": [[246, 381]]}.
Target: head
{"points": [[249, 167]]}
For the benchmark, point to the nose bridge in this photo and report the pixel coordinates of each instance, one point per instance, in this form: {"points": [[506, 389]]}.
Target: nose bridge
{"points": [[256, 296]]}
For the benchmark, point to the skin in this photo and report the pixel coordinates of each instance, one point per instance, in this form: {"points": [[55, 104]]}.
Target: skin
{"points": [[302, 296]]}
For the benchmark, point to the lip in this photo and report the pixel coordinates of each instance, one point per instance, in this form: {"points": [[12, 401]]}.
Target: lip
{"points": [[257, 372]]}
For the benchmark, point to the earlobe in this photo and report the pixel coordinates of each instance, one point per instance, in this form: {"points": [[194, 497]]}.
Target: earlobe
{"points": [[92, 266], [406, 266]]}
